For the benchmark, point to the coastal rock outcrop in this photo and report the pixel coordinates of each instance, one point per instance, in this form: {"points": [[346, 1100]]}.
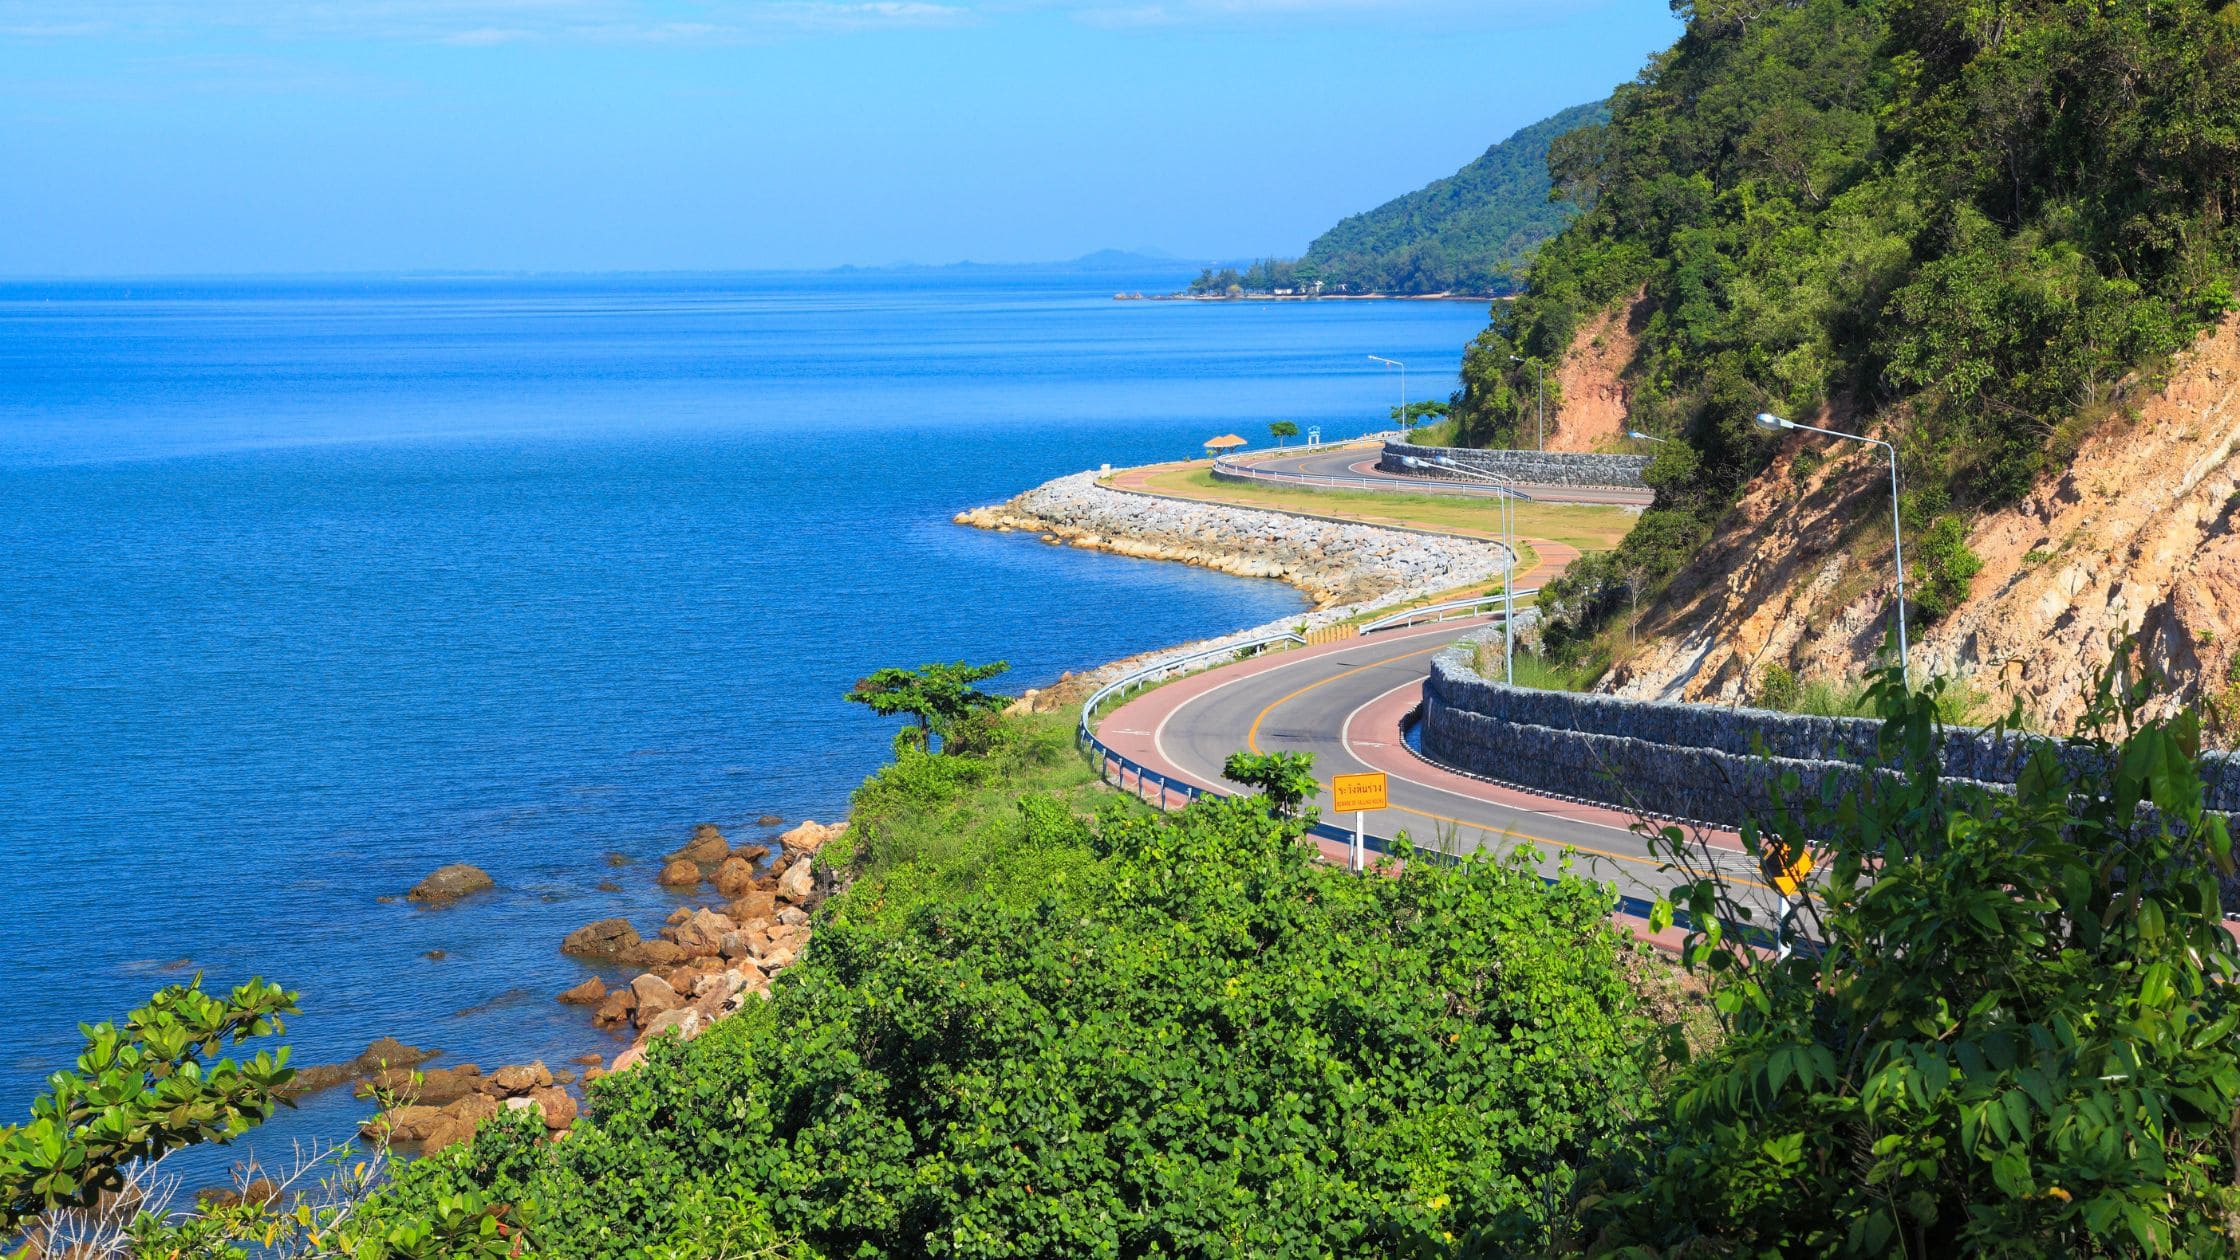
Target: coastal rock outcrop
{"points": [[1335, 563], [447, 884], [706, 848], [441, 1108], [608, 938]]}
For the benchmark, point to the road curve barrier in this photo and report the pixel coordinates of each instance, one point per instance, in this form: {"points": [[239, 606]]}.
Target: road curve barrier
{"points": [[1532, 468], [1169, 792]]}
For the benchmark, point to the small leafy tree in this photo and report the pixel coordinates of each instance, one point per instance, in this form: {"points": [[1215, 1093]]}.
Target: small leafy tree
{"points": [[2015, 1037], [140, 1091], [939, 696], [1282, 429], [1947, 568], [1417, 412], [1286, 779]]}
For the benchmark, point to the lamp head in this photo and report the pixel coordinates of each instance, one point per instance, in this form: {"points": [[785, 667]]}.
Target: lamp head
{"points": [[1515, 359], [1773, 423], [1638, 436]]}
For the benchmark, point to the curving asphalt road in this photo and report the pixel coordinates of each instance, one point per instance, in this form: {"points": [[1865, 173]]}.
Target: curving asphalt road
{"points": [[1345, 703], [1361, 461]]}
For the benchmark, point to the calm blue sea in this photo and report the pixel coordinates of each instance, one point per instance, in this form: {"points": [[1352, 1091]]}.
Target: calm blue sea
{"points": [[309, 587]]}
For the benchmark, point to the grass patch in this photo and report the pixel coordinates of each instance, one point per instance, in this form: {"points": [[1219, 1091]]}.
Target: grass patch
{"points": [[929, 829], [1533, 670], [1589, 527], [1961, 703]]}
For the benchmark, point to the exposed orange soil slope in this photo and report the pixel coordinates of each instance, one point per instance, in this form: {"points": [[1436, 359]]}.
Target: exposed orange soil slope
{"points": [[2135, 537], [1591, 382]]}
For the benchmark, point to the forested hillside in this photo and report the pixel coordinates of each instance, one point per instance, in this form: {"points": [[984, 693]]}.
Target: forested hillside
{"points": [[1471, 232], [1962, 225]]}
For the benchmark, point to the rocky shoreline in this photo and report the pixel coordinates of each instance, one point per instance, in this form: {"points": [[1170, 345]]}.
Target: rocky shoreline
{"points": [[705, 963], [1338, 565]]}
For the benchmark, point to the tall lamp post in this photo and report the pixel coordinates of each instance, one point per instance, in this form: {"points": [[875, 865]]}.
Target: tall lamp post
{"points": [[1378, 358], [1509, 495], [1775, 424], [1539, 403]]}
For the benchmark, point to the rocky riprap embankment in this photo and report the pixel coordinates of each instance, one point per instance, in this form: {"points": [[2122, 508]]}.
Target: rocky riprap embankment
{"points": [[1334, 563]]}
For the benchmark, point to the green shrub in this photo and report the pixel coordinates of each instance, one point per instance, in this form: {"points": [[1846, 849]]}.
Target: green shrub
{"points": [[1194, 1039], [2017, 1038], [151, 1087], [1285, 779], [1777, 687], [1942, 576]]}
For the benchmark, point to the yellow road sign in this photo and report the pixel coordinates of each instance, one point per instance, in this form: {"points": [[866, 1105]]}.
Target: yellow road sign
{"points": [[1358, 792], [1788, 874]]}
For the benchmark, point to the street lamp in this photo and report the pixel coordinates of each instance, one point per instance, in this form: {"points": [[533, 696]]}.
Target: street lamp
{"points": [[1775, 424], [1506, 488], [1638, 436], [1539, 403], [1378, 358]]}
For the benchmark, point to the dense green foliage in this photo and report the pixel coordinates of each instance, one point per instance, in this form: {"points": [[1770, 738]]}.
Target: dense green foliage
{"points": [[1182, 1036], [1963, 220], [2016, 1041], [941, 696], [1283, 429], [140, 1091], [1285, 779], [1472, 232], [1269, 275]]}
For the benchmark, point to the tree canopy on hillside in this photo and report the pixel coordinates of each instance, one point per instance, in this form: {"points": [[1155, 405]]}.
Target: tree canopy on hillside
{"points": [[1472, 232], [1968, 222]]}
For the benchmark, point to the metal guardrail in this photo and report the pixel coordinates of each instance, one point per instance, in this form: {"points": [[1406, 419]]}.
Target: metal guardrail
{"points": [[1118, 768], [1224, 465], [1456, 607]]}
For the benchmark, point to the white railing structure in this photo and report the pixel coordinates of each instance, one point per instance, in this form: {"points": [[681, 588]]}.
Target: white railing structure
{"points": [[1246, 470], [1450, 609]]}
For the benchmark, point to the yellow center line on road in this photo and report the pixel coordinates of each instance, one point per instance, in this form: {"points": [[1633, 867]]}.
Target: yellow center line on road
{"points": [[1252, 742]]}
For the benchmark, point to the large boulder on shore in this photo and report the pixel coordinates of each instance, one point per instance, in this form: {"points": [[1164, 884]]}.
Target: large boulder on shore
{"points": [[797, 883], [590, 993], [701, 934], [678, 874], [653, 996], [734, 877], [810, 836], [706, 848], [447, 884], [555, 1104], [753, 904], [517, 1079], [608, 938]]}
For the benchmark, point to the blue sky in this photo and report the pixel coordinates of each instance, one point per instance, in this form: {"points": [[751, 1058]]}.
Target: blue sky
{"points": [[209, 136]]}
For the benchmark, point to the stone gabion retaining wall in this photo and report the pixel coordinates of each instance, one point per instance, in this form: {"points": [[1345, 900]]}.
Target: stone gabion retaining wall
{"points": [[1690, 761], [1544, 468]]}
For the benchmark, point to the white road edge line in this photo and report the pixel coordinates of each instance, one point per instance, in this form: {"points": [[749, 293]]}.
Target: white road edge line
{"points": [[1345, 740], [1159, 732]]}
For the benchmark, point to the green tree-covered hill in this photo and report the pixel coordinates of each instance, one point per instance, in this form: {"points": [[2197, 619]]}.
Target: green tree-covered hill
{"points": [[1966, 224], [1471, 232]]}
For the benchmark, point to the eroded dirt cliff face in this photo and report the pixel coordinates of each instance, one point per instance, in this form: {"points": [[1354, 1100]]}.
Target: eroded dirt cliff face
{"points": [[2135, 537], [1592, 383]]}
